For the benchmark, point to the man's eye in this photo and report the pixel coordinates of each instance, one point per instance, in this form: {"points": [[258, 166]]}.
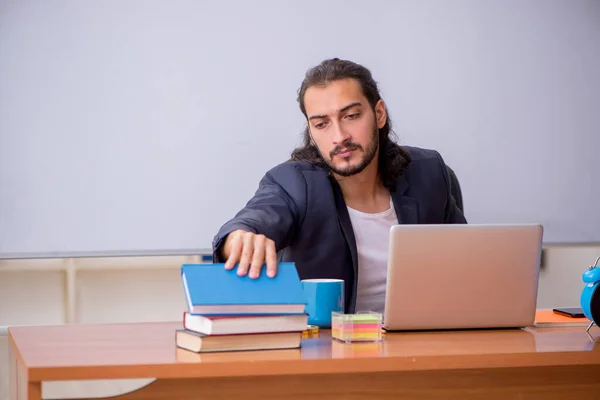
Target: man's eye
{"points": [[352, 116], [320, 125]]}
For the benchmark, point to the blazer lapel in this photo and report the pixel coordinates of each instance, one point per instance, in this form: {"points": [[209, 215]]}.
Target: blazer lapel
{"points": [[407, 208], [348, 232]]}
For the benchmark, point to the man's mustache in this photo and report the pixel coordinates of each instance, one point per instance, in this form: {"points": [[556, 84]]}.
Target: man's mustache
{"points": [[345, 146]]}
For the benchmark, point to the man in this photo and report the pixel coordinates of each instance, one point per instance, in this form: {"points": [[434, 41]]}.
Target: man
{"points": [[330, 208]]}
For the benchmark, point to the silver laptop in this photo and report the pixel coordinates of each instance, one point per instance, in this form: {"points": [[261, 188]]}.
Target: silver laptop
{"points": [[462, 276]]}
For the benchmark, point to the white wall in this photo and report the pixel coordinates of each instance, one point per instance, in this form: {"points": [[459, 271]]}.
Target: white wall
{"points": [[106, 290], [561, 277]]}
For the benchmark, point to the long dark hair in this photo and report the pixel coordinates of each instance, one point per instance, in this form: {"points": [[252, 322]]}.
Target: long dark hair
{"points": [[393, 160]]}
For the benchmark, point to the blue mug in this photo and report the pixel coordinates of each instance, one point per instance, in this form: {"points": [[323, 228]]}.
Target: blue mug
{"points": [[323, 296]]}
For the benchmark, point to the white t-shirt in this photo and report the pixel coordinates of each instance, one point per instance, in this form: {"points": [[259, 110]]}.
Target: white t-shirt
{"points": [[372, 241]]}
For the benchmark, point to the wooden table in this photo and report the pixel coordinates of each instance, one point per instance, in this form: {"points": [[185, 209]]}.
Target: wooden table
{"points": [[548, 363]]}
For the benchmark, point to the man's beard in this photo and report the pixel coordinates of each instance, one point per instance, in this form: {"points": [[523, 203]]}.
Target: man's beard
{"points": [[368, 155]]}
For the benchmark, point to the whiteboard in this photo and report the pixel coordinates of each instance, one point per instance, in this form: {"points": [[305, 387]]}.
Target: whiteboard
{"points": [[146, 125]]}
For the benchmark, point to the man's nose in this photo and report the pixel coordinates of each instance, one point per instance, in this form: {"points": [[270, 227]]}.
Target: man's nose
{"points": [[339, 135]]}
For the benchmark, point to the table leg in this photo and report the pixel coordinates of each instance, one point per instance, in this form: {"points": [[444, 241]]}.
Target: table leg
{"points": [[12, 372], [19, 386], [34, 391]]}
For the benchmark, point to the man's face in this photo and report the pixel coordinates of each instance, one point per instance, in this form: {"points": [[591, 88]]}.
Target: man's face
{"points": [[343, 125]]}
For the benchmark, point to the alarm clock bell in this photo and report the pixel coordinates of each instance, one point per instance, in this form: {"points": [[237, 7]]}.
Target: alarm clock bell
{"points": [[590, 297]]}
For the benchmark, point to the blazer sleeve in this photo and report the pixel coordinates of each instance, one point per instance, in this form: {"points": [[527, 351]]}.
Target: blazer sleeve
{"points": [[452, 213], [276, 209]]}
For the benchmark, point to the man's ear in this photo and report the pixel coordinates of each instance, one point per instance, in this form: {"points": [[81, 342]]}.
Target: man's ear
{"points": [[380, 114]]}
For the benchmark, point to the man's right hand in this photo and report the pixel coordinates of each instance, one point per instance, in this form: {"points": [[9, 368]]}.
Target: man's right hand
{"points": [[250, 251]]}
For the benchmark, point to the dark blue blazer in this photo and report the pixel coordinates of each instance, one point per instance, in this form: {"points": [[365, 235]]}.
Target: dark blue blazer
{"points": [[301, 208]]}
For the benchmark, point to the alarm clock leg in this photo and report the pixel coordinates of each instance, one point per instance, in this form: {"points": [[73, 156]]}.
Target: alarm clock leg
{"points": [[590, 326]]}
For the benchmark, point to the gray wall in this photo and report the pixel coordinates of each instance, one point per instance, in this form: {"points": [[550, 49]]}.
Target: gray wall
{"points": [[146, 124]]}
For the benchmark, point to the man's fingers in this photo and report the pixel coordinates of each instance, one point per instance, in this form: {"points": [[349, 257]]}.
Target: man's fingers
{"points": [[258, 257], [251, 252], [235, 252], [271, 258], [247, 251]]}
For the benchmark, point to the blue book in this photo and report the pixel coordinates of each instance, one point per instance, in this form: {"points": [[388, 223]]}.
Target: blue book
{"points": [[210, 289]]}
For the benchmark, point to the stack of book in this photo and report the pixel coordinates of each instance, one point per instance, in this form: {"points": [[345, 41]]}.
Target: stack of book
{"points": [[227, 312]]}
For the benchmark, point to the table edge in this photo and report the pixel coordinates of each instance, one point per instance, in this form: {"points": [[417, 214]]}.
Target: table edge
{"points": [[313, 366]]}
